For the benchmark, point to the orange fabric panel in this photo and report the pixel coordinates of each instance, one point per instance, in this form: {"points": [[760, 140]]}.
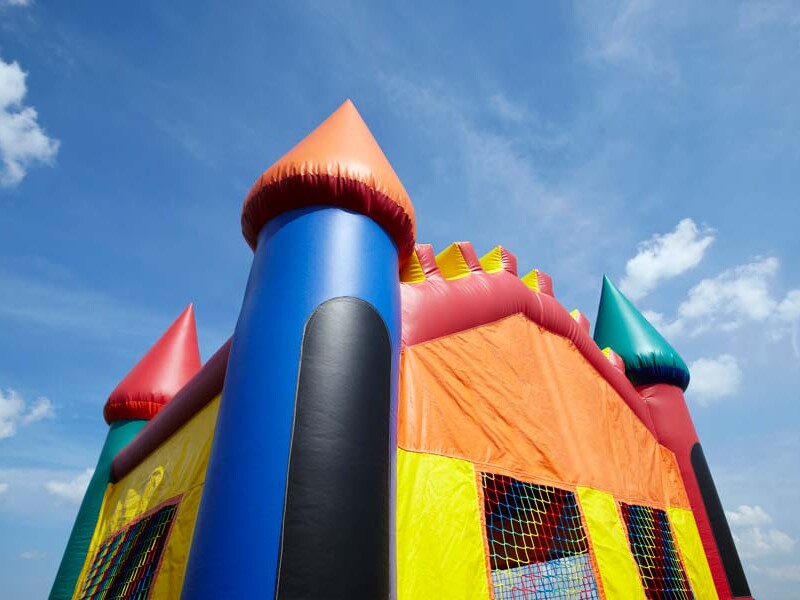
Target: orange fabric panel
{"points": [[674, 491], [514, 397]]}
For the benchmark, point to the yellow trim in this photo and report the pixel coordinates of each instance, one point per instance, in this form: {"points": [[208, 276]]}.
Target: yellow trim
{"points": [[492, 261], [412, 271], [176, 468], [440, 547], [532, 280], [618, 570], [692, 553], [575, 313], [452, 263]]}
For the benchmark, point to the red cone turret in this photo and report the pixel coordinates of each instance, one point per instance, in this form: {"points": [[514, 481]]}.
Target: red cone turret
{"points": [[157, 377]]}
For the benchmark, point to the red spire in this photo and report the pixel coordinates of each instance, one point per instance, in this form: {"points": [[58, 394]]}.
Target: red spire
{"points": [[157, 377]]}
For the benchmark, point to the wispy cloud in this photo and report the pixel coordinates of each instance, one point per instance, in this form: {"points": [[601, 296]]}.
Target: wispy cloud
{"points": [[72, 490], [787, 572], [748, 516], [51, 298], [631, 34], [189, 139], [46, 494], [23, 142], [755, 542], [665, 256], [492, 165], [753, 538], [789, 307], [32, 555], [741, 295], [498, 180], [714, 378], [65, 304], [756, 15], [507, 110], [763, 488], [4, 3], [733, 298], [42, 408], [14, 412]]}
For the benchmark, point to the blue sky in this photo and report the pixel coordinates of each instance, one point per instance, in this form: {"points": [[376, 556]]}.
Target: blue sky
{"points": [[654, 142]]}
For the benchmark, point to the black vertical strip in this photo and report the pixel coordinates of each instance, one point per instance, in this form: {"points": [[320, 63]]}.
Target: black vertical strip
{"points": [[335, 542], [719, 525]]}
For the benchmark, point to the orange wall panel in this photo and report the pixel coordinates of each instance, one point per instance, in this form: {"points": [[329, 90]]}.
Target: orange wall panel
{"points": [[515, 398]]}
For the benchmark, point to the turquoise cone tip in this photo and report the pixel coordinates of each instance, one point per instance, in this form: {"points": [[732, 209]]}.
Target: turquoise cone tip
{"points": [[648, 357]]}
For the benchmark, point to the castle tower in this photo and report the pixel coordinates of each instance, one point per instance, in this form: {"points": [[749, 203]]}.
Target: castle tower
{"points": [[661, 376], [144, 391], [299, 483]]}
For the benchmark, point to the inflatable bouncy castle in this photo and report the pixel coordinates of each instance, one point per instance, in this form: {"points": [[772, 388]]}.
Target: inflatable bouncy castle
{"points": [[390, 423]]}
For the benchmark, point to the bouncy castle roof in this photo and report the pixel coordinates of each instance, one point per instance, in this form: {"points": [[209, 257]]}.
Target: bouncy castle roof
{"points": [[338, 164], [159, 374], [648, 357]]}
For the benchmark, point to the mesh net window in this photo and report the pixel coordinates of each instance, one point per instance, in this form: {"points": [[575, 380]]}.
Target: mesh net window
{"points": [[124, 566], [537, 544], [653, 547]]}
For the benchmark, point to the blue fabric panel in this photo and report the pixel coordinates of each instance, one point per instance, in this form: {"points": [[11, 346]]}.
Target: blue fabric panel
{"points": [[303, 258]]}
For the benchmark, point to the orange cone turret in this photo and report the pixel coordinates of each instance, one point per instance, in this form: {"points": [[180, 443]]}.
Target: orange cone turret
{"points": [[338, 164]]}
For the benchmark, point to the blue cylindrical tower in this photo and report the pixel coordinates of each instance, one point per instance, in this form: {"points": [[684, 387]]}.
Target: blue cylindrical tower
{"points": [[297, 500]]}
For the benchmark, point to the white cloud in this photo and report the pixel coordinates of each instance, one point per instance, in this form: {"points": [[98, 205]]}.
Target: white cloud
{"points": [[508, 110], [734, 297], [748, 516], [631, 34], [32, 555], [754, 16], [11, 407], [753, 540], [41, 409], [71, 491], [28, 496], [665, 256], [714, 378], [23, 142], [788, 572], [3, 488], [13, 412], [668, 329], [789, 307], [789, 315], [4, 3]]}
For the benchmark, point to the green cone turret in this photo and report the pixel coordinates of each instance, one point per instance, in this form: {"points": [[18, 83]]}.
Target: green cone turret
{"points": [[648, 357]]}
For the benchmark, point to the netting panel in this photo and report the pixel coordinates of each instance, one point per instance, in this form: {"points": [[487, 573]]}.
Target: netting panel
{"points": [[124, 566], [537, 544], [656, 554]]}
